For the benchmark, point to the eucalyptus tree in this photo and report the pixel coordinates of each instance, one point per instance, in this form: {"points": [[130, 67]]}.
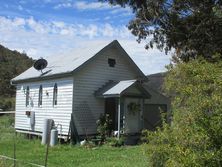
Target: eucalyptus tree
{"points": [[192, 27]]}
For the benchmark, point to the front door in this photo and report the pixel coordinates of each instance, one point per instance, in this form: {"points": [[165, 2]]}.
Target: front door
{"points": [[111, 109], [132, 111]]}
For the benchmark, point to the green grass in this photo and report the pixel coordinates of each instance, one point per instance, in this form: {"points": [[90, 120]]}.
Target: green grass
{"points": [[65, 155]]}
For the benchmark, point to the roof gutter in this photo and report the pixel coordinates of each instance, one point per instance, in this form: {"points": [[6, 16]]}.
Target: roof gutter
{"points": [[11, 83], [55, 76]]}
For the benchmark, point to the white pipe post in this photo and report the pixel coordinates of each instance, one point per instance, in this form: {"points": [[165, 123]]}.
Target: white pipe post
{"points": [[118, 118]]}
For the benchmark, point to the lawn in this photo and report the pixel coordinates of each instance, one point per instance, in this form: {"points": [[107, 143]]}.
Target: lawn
{"points": [[65, 155]]}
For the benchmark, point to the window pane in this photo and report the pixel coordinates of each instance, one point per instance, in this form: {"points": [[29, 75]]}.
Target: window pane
{"points": [[55, 93], [40, 95], [27, 96]]}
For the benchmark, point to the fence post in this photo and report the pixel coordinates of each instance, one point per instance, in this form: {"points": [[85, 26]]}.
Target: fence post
{"points": [[15, 149], [51, 122]]}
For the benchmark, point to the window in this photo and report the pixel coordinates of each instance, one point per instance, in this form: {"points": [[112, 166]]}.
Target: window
{"points": [[27, 96], [55, 93], [111, 62], [40, 96]]}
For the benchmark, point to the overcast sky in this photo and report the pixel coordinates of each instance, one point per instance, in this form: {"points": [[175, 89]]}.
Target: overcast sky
{"points": [[45, 28]]}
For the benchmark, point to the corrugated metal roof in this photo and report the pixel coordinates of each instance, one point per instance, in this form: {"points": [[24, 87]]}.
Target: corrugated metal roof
{"points": [[68, 63], [64, 63], [156, 81], [119, 88], [105, 87]]}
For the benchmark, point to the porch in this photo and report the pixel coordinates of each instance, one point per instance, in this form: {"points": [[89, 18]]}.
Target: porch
{"points": [[124, 102]]}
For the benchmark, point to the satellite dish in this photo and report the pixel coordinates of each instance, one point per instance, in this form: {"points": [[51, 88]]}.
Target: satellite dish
{"points": [[40, 64]]}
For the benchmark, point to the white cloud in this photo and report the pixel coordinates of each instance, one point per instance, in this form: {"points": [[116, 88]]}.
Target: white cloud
{"points": [[150, 61], [31, 51], [41, 39], [38, 27], [124, 11], [11, 24], [90, 31], [58, 27], [19, 21], [63, 5], [108, 30], [59, 24], [83, 5]]}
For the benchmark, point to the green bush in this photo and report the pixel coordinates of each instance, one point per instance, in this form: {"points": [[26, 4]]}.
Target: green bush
{"points": [[115, 142], [104, 126], [194, 137], [7, 104]]}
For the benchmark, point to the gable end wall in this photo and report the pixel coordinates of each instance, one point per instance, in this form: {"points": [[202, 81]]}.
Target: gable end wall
{"points": [[61, 113], [86, 107]]}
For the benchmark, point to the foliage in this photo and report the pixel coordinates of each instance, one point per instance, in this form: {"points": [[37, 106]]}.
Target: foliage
{"points": [[144, 135], [12, 63], [115, 142], [7, 103], [191, 27], [104, 126], [194, 137]]}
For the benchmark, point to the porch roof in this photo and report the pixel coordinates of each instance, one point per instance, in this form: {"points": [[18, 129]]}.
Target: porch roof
{"points": [[119, 88], [116, 89]]}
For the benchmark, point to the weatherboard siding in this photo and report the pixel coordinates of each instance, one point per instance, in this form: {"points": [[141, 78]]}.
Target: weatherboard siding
{"points": [[87, 108], [59, 113]]}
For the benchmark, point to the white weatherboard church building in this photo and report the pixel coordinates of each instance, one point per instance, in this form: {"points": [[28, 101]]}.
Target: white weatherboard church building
{"points": [[89, 82]]}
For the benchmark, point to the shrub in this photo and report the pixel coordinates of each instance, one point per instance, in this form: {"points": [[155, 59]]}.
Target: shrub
{"points": [[7, 103], [194, 136], [115, 142], [103, 126]]}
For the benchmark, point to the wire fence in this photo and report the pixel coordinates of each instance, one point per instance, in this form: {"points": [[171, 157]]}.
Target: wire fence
{"points": [[12, 145], [15, 161]]}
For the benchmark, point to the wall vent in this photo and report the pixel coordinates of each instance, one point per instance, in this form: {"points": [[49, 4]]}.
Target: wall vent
{"points": [[111, 62]]}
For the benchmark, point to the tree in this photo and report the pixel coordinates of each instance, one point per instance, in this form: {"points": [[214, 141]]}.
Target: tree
{"points": [[194, 136], [12, 63], [191, 27]]}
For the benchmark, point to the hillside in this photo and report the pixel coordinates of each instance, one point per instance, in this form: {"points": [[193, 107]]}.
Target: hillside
{"points": [[12, 63]]}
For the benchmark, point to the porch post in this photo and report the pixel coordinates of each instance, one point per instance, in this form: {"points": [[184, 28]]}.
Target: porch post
{"points": [[118, 118]]}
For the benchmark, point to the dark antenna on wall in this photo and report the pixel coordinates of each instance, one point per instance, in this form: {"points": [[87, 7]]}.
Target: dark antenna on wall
{"points": [[40, 64]]}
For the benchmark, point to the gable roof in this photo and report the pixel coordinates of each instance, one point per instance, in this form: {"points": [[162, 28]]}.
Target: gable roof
{"points": [[117, 89], [156, 81], [67, 64]]}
